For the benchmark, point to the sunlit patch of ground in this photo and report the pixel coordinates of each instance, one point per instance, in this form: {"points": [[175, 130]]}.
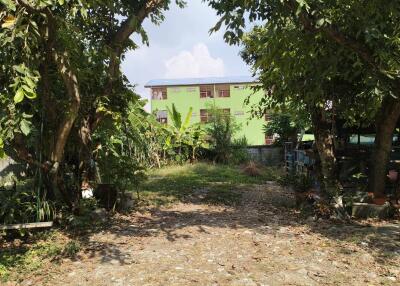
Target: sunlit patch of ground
{"points": [[211, 225]]}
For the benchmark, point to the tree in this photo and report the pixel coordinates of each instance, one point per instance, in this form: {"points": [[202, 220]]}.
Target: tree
{"points": [[284, 126], [366, 32], [312, 86], [60, 78], [221, 129]]}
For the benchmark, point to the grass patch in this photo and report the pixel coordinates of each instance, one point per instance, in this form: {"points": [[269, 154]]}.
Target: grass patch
{"points": [[177, 183], [225, 196], [17, 261]]}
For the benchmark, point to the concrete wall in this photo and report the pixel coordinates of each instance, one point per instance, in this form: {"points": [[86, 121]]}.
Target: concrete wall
{"points": [[268, 155]]}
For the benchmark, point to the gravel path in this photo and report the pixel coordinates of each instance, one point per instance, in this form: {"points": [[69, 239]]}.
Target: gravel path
{"points": [[262, 241]]}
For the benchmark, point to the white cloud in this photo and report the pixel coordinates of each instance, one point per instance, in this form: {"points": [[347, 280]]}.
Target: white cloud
{"points": [[195, 63]]}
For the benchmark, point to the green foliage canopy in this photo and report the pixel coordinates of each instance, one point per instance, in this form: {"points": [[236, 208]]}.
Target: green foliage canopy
{"points": [[60, 79]]}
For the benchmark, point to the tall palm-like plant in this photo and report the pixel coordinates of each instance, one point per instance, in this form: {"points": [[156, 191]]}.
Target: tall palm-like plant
{"points": [[176, 118], [184, 134], [179, 128]]}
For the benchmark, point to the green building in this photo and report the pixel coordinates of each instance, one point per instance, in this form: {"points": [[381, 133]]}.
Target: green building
{"points": [[227, 93]]}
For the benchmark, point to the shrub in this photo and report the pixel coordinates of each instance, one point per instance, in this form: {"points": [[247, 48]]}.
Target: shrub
{"points": [[283, 125], [301, 182], [221, 129], [23, 205], [252, 170], [239, 153], [71, 249]]}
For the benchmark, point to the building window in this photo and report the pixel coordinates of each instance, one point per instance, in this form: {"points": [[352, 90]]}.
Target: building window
{"points": [[224, 93], [268, 117], [206, 92], [191, 89], [226, 111], [204, 116], [162, 116], [239, 113], [269, 140], [223, 90], [159, 94]]}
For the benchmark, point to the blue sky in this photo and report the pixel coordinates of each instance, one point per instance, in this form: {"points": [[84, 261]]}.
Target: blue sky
{"points": [[182, 47]]}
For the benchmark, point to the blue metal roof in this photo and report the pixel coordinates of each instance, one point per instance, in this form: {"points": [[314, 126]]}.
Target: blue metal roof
{"points": [[200, 81]]}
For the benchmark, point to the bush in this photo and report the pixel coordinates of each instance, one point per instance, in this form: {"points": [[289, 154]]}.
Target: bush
{"points": [[301, 182], [71, 249], [221, 130], [23, 205], [239, 153], [252, 170], [283, 125]]}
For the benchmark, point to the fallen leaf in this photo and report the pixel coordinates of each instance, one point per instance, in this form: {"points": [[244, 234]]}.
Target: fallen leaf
{"points": [[9, 21]]}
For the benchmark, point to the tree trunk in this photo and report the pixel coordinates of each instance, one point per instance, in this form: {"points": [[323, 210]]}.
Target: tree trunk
{"points": [[85, 150], [57, 154], [385, 127], [325, 140]]}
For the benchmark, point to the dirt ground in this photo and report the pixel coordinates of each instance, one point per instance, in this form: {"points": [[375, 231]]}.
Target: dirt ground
{"points": [[261, 241]]}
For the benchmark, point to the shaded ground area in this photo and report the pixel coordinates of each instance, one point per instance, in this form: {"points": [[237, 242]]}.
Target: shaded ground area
{"points": [[196, 227]]}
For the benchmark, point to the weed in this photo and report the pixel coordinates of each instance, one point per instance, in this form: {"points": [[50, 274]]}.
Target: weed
{"points": [[251, 169], [301, 182], [223, 196], [71, 249], [18, 261], [175, 183]]}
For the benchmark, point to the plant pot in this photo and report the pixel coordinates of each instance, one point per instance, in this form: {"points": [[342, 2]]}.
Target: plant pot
{"points": [[379, 201]]}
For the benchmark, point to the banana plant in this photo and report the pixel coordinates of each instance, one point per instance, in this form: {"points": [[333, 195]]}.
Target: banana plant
{"points": [[176, 118], [179, 128]]}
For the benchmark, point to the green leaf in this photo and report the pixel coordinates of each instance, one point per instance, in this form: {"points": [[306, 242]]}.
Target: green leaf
{"points": [[19, 95], [28, 116], [27, 89], [186, 123], [320, 22], [9, 4], [25, 127], [1, 148], [20, 68], [31, 95], [84, 13], [29, 82]]}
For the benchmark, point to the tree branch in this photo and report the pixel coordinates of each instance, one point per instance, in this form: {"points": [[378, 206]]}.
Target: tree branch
{"points": [[70, 80], [334, 34], [72, 87], [29, 7], [23, 154], [127, 28]]}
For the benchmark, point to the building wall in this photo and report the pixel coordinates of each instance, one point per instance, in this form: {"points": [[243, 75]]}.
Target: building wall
{"points": [[185, 97]]}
